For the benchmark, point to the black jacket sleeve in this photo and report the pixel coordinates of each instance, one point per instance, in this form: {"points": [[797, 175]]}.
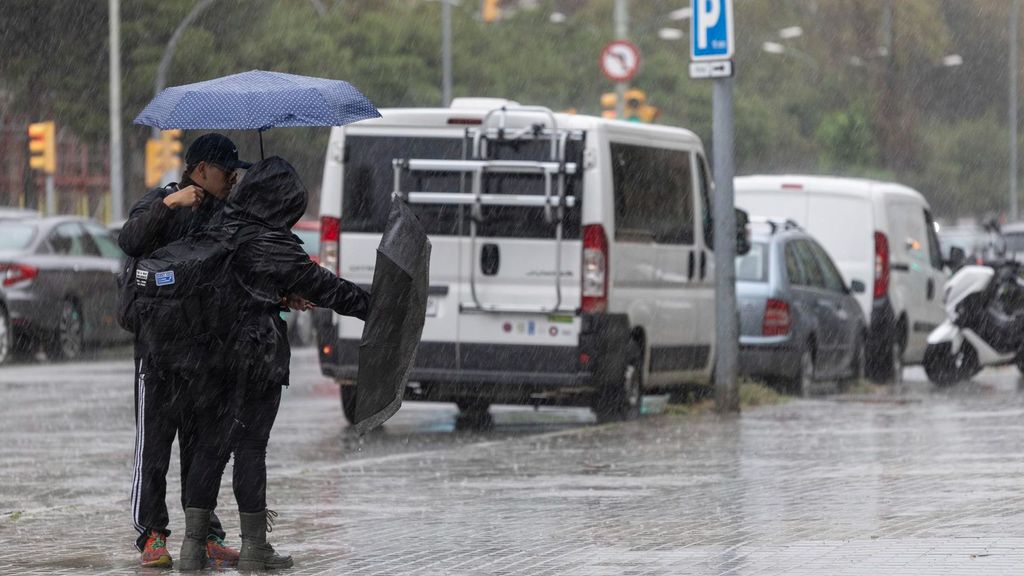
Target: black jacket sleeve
{"points": [[147, 222], [282, 258]]}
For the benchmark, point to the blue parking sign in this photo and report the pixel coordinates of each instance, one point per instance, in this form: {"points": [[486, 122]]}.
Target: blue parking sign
{"points": [[711, 36]]}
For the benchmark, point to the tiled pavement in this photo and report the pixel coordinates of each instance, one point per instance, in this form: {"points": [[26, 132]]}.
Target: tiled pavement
{"points": [[913, 482]]}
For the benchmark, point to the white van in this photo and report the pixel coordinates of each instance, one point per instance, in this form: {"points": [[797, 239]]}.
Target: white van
{"points": [[570, 264], [879, 233]]}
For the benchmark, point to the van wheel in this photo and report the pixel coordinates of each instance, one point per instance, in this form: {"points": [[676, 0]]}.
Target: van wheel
{"points": [[474, 414], [348, 402], [886, 362], [621, 400], [69, 339]]}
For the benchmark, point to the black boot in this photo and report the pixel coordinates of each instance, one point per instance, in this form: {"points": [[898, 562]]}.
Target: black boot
{"points": [[257, 553], [193, 547]]}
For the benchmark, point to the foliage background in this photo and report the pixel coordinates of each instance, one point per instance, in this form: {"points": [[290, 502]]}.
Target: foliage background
{"points": [[833, 103]]}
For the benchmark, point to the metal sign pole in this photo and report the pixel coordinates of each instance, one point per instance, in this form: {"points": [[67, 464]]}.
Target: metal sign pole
{"points": [[727, 398], [621, 33]]}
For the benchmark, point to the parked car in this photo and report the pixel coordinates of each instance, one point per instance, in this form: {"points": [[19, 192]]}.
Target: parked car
{"points": [[300, 324], [1012, 236], [879, 233], [17, 214], [800, 322], [976, 245], [59, 285], [571, 259]]}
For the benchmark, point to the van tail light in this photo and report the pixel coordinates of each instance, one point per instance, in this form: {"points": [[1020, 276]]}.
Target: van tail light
{"points": [[881, 265], [776, 318], [595, 269], [330, 234], [17, 273]]}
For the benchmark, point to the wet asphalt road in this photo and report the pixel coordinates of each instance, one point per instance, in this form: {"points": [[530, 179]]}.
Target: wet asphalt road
{"points": [[909, 480]]}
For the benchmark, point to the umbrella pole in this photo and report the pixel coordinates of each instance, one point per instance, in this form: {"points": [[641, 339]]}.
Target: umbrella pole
{"points": [[261, 145]]}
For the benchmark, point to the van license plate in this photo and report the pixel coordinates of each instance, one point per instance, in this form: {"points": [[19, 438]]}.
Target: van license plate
{"points": [[431, 306]]}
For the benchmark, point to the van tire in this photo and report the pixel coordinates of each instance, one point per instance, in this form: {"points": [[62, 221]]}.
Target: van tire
{"points": [[474, 414], [348, 402], [888, 363], [620, 399]]}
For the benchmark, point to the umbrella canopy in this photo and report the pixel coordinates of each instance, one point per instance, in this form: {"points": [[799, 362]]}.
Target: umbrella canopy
{"points": [[395, 320], [257, 100]]}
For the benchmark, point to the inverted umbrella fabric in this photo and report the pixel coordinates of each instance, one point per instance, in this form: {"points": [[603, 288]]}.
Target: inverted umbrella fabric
{"points": [[394, 323], [257, 100]]}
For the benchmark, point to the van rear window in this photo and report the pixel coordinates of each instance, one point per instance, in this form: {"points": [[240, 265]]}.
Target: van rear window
{"points": [[369, 181]]}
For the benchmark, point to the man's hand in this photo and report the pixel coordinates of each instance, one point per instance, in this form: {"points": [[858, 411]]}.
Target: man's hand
{"points": [[297, 303], [190, 196]]}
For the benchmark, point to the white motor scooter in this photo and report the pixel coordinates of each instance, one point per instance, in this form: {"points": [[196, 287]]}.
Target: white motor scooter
{"points": [[984, 325]]}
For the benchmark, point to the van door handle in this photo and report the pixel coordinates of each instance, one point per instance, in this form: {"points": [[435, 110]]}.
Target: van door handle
{"points": [[931, 289], [703, 264], [692, 265]]}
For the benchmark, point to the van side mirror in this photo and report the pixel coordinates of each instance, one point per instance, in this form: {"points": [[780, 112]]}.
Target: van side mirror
{"points": [[957, 258], [742, 234], [858, 287]]}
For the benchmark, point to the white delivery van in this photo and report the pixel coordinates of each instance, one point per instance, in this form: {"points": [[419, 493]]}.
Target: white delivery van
{"points": [[570, 264], [879, 233]]}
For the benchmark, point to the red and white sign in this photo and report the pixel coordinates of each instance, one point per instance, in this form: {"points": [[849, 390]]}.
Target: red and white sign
{"points": [[620, 60]]}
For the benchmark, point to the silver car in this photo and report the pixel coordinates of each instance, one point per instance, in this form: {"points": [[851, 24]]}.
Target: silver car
{"points": [[799, 321], [58, 286]]}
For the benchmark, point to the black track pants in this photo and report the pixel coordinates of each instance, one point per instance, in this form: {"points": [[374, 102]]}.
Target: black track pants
{"points": [[162, 409]]}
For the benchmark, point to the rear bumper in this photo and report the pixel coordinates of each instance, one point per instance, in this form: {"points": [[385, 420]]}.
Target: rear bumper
{"points": [[769, 357], [29, 315], [507, 371]]}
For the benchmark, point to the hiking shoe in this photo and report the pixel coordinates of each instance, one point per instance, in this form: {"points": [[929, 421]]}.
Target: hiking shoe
{"points": [[218, 555], [154, 553]]}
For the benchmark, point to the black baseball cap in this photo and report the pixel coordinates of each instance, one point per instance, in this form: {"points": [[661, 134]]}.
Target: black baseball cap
{"points": [[215, 149]]}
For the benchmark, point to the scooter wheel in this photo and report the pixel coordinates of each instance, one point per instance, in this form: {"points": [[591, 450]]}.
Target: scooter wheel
{"points": [[944, 368]]}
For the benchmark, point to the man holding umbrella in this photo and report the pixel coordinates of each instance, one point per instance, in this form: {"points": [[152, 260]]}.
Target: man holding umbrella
{"points": [[159, 218]]}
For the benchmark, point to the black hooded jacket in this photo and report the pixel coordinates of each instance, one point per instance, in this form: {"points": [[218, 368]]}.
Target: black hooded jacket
{"points": [[272, 197], [152, 225]]}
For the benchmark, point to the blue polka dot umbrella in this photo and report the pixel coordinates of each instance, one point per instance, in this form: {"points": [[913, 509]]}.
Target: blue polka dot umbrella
{"points": [[257, 100]]}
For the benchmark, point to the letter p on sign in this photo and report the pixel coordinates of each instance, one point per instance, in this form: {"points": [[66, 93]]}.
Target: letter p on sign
{"points": [[711, 36]]}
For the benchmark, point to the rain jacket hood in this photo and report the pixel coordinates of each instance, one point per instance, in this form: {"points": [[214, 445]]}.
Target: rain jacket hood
{"points": [[271, 193]]}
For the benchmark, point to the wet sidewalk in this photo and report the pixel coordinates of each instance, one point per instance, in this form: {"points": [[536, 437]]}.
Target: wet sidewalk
{"points": [[909, 482]]}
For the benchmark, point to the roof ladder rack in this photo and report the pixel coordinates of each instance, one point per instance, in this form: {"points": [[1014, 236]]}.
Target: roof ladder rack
{"points": [[554, 201]]}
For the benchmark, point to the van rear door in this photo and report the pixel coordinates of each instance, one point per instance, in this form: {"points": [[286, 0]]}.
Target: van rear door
{"points": [[521, 271], [368, 181]]}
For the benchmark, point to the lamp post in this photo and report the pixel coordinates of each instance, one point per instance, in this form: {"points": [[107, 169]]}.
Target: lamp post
{"points": [[1012, 105]]}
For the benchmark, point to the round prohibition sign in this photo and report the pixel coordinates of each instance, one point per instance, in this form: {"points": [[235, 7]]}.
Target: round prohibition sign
{"points": [[620, 60]]}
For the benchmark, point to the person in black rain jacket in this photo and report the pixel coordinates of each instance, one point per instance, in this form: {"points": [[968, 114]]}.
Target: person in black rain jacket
{"points": [[272, 197], [162, 216]]}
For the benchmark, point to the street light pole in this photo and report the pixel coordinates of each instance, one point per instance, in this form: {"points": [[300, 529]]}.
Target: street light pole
{"points": [[1014, 46], [621, 33], [116, 160], [446, 52]]}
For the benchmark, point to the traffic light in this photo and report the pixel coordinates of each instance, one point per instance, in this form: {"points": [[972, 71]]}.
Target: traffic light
{"points": [[154, 162], [635, 99], [42, 146], [608, 100], [489, 12], [172, 149], [637, 109], [162, 155]]}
